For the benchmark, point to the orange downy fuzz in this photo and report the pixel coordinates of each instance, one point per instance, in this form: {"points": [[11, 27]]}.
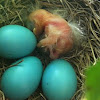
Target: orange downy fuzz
{"points": [[58, 34]]}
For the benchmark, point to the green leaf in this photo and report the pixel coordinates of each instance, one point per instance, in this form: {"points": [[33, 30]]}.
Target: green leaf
{"points": [[93, 82]]}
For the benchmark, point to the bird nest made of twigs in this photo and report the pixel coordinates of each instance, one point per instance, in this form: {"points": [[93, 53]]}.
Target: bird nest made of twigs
{"points": [[84, 12]]}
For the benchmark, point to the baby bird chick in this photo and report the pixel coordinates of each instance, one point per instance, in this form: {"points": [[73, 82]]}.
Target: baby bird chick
{"points": [[58, 34]]}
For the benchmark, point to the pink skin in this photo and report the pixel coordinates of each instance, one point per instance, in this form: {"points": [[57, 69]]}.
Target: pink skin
{"points": [[58, 34]]}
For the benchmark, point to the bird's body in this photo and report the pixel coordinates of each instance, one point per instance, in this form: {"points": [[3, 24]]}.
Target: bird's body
{"points": [[58, 34]]}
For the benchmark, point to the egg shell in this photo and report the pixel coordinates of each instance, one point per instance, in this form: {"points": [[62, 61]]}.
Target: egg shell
{"points": [[59, 80], [16, 41], [20, 81]]}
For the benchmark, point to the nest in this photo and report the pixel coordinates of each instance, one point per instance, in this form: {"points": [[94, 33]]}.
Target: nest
{"points": [[86, 13]]}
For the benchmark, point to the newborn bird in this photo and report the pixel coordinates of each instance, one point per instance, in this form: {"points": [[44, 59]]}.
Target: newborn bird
{"points": [[58, 34]]}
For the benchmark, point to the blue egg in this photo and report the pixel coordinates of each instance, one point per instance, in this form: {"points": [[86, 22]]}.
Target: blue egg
{"points": [[16, 41], [59, 80], [20, 81]]}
